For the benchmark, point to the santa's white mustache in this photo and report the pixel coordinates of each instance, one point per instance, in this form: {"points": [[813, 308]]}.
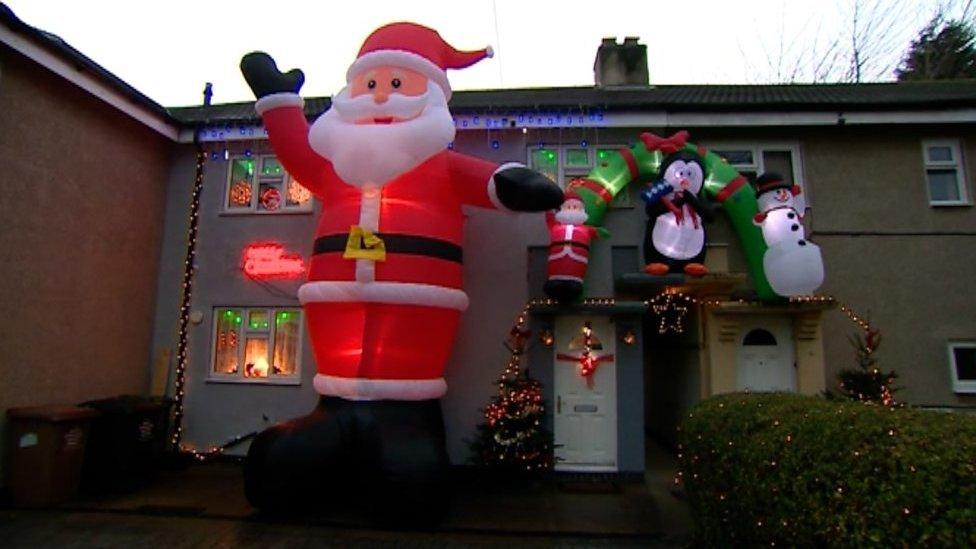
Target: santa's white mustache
{"points": [[397, 105]]}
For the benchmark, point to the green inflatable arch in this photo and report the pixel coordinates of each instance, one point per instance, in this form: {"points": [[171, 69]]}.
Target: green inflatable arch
{"points": [[640, 163]]}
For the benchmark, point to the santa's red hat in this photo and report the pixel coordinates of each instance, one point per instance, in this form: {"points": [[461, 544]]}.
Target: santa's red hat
{"points": [[571, 195], [414, 47]]}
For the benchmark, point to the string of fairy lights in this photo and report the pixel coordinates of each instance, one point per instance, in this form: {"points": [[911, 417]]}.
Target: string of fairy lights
{"points": [[187, 295], [672, 306]]}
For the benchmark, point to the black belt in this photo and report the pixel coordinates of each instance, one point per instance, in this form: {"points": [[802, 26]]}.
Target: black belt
{"points": [[397, 244]]}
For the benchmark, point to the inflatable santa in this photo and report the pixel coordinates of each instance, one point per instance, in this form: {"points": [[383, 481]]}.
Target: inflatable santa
{"points": [[384, 291], [569, 249], [792, 264]]}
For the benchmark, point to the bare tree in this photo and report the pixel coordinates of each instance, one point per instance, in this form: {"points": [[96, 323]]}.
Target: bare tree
{"points": [[854, 41]]}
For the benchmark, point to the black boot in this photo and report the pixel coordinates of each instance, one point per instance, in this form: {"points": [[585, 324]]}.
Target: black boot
{"points": [[389, 454], [563, 290], [292, 464]]}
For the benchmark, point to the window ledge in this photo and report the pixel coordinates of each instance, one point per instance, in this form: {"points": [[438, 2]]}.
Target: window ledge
{"points": [[230, 213], [262, 381], [950, 204]]}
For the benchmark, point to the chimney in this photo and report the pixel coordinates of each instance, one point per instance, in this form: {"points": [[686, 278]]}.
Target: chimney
{"points": [[621, 65]]}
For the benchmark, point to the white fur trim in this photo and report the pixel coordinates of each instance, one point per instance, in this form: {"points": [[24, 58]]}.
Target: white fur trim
{"points": [[369, 218], [401, 58], [567, 251], [275, 100], [566, 277], [352, 388], [492, 193], [402, 293]]}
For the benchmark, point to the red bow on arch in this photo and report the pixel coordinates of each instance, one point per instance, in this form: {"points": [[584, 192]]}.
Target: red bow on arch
{"points": [[666, 145]]}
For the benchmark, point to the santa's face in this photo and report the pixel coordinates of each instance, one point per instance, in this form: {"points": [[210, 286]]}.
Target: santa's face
{"points": [[386, 122], [776, 198], [393, 93], [571, 212]]}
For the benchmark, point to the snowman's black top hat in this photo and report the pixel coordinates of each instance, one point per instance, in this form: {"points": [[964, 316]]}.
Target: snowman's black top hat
{"points": [[770, 181]]}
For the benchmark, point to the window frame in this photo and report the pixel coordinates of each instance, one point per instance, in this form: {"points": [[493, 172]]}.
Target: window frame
{"points": [[957, 164], [256, 181], [563, 170], [964, 386], [757, 148], [238, 377]]}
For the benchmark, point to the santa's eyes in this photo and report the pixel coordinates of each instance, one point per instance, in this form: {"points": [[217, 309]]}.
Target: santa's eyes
{"points": [[395, 83], [371, 84]]}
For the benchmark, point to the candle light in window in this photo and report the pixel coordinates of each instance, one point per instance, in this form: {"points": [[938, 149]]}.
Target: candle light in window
{"points": [[258, 369]]}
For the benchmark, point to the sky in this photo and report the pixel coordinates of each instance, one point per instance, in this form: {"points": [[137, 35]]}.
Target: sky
{"points": [[168, 50]]}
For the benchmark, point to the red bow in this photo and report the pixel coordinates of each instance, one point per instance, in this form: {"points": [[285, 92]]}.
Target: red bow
{"points": [[667, 145]]}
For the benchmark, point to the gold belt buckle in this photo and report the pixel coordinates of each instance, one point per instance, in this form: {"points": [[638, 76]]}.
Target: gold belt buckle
{"points": [[364, 244]]}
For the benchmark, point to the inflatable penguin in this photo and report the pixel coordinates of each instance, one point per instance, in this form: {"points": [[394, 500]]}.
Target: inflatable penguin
{"points": [[675, 237], [793, 265]]}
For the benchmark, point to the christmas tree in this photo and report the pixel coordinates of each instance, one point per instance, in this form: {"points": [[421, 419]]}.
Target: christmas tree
{"points": [[867, 383], [513, 439]]}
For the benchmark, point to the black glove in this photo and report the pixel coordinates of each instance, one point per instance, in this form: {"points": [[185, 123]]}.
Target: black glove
{"points": [[264, 78], [524, 190]]}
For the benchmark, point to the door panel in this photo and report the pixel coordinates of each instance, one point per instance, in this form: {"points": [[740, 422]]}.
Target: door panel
{"points": [[585, 418], [765, 358]]}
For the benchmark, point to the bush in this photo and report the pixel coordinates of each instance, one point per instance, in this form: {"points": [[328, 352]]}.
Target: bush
{"points": [[802, 471]]}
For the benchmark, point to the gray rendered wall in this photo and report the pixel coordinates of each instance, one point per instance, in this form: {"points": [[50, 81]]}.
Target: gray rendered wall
{"points": [[217, 412]]}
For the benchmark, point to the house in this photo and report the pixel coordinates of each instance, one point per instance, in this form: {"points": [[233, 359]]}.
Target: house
{"points": [[88, 160], [885, 169]]}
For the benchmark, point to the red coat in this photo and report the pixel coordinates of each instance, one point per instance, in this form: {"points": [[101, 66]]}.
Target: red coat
{"points": [[424, 202], [382, 329], [569, 250]]}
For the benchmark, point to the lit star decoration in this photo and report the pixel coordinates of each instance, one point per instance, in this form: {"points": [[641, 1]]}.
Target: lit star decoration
{"points": [[671, 309]]}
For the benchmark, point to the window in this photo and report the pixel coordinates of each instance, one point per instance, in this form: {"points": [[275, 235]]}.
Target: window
{"points": [[759, 337], [753, 160], [259, 184], [562, 164], [257, 345], [962, 362], [943, 173]]}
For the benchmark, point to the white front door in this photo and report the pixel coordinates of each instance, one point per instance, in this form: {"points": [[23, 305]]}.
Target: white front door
{"points": [[585, 424], [765, 360]]}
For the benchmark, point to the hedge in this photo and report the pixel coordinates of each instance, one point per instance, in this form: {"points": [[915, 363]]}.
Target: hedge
{"points": [[790, 470]]}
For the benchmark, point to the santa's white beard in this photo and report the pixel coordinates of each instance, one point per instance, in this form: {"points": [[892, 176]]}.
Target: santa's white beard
{"points": [[378, 153], [571, 217]]}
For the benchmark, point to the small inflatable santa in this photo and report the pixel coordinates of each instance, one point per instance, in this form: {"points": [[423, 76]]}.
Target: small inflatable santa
{"points": [[569, 249], [384, 291], [792, 264]]}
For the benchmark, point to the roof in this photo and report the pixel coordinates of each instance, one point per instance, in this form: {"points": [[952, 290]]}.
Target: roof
{"points": [[722, 98], [890, 96], [82, 62]]}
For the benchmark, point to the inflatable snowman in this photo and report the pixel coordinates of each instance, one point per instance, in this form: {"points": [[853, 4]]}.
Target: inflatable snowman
{"points": [[793, 265]]}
